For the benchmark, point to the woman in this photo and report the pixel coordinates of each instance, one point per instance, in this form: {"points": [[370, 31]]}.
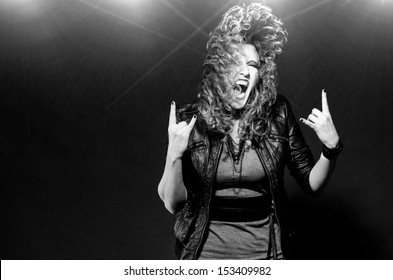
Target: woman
{"points": [[223, 177]]}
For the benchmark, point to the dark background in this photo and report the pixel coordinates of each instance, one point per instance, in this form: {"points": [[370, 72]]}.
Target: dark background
{"points": [[85, 93]]}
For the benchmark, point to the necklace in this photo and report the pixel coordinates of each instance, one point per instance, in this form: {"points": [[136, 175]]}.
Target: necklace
{"points": [[236, 160]]}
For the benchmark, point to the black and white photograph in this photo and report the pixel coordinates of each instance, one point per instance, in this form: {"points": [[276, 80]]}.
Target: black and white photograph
{"points": [[196, 129]]}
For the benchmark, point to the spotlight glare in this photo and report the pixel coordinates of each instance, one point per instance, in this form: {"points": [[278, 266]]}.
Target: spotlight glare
{"points": [[22, 8]]}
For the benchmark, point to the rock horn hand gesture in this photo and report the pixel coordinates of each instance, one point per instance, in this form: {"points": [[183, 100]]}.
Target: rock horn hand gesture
{"points": [[321, 122], [178, 134]]}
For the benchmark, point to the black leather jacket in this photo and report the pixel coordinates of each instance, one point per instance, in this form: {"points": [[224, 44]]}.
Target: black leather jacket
{"points": [[284, 145]]}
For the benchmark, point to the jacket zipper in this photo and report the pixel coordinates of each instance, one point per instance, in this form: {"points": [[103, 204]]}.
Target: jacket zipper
{"points": [[210, 198]]}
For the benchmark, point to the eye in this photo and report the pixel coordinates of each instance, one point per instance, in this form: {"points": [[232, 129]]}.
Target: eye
{"points": [[255, 64]]}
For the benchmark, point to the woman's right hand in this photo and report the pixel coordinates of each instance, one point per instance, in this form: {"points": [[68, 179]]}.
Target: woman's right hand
{"points": [[178, 134]]}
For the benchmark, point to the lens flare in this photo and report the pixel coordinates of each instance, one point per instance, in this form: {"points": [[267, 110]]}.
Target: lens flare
{"points": [[23, 9]]}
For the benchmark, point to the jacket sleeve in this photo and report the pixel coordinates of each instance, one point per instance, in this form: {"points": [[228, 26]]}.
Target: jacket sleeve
{"points": [[184, 113], [301, 159]]}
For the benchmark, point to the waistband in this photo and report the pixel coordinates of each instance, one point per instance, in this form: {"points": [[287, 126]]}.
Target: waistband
{"points": [[245, 209]]}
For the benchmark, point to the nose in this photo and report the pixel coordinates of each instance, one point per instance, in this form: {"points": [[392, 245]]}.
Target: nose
{"points": [[244, 71]]}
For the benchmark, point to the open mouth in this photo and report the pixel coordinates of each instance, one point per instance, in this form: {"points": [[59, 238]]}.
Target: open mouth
{"points": [[240, 88]]}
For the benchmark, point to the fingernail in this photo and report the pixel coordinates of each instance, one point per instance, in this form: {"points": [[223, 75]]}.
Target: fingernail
{"points": [[173, 102], [194, 116], [301, 119]]}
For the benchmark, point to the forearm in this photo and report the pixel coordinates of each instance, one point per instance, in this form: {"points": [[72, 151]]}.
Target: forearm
{"points": [[171, 188], [321, 172]]}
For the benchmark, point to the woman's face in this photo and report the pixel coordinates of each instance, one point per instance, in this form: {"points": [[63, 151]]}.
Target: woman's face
{"points": [[245, 76]]}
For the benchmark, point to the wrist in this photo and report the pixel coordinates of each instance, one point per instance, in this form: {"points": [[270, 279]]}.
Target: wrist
{"points": [[173, 156], [333, 143], [332, 153]]}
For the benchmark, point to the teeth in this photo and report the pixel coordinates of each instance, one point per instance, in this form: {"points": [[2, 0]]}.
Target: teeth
{"points": [[241, 87], [240, 96], [242, 82]]}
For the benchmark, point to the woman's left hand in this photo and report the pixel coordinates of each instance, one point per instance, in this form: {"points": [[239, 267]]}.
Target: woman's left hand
{"points": [[322, 124]]}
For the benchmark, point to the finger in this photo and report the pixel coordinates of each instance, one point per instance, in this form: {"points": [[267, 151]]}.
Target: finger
{"points": [[174, 129], [172, 114], [313, 118], [316, 112], [325, 105], [192, 122], [181, 124], [307, 122], [184, 131]]}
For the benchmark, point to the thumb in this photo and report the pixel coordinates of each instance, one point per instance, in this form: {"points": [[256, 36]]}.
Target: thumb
{"points": [[307, 122]]}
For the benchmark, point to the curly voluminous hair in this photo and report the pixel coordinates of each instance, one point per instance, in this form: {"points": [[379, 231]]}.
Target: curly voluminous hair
{"points": [[256, 25]]}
